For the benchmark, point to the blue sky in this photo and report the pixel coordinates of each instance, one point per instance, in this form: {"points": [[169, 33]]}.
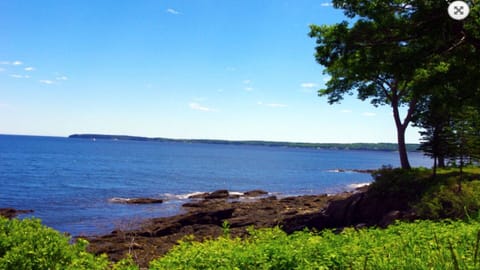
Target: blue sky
{"points": [[235, 70]]}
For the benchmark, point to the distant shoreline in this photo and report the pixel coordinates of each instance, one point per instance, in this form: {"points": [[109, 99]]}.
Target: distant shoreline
{"points": [[390, 147]]}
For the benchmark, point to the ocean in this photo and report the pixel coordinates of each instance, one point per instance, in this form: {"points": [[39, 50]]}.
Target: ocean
{"points": [[70, 183]]}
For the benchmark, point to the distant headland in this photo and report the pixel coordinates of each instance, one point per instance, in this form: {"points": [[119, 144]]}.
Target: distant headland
{"points": [[332, 146]]}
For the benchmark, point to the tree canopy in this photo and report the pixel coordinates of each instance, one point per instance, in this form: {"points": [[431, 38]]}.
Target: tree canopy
{"points": [[397, 53]]}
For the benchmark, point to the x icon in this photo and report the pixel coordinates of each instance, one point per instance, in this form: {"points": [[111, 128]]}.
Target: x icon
{"points": [[458, 10]]}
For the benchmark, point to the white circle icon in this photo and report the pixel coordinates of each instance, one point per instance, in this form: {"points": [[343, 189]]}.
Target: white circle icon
{"points": [[458, 10]]}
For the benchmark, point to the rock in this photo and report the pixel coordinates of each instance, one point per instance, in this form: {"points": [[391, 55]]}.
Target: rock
{"points": [[389, 218], [11, 213], [199, 196], [204, 218], [136, 200], [218, 194], [255, 193]]}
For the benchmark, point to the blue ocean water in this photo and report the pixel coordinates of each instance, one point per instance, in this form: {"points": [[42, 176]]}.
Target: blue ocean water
{"points": [[69, 182]]}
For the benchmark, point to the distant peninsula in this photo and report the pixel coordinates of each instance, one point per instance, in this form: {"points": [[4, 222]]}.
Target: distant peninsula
{"points": [[332, 146]]}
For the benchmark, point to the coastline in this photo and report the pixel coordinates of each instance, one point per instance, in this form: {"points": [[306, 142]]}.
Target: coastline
{"points": [[207, 217]]}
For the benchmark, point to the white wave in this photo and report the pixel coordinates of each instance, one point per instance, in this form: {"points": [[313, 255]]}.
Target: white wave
{"points": [[181, 196], [358, 185], [118, 200], [185, 196]]}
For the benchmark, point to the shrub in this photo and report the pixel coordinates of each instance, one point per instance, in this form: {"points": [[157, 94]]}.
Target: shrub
{"points": [[400, 183], [448, 201], [27, 244]]}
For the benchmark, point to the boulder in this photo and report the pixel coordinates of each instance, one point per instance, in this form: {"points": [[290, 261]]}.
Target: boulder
{"points": [[255, 193], [11, 213], [218, 194]]}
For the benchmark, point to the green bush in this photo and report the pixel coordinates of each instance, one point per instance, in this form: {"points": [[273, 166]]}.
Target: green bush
{"points": [[400, 183], [450, 201], [27, 244], [419, 245]]}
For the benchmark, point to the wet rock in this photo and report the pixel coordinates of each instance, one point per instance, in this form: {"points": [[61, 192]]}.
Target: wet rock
{"points": [[12, 213], [136, 200], [199, 196], [255, 193], [218, 194]]}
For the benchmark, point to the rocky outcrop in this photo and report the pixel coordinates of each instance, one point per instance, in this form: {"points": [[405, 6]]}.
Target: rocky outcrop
{"points": [[255, 193], [11, 212], [205, 217], [366, 208]]}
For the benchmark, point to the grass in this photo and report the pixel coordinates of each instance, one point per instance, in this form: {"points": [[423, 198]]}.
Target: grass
{"points": [[418, 245]]}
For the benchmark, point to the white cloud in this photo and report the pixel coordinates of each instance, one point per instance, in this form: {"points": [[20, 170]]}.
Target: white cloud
{"points": [[249, 89], [29, 69], [368, 114], [346, 111], [61, 78], [308, 85], [326, 4], [18, 76], [46, 81], [173, 11], [272, 105], [276, 105], [14, 63], [198, 107]]}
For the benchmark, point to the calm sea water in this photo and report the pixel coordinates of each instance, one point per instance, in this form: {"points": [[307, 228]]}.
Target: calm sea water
{"points": [[69, 182]]}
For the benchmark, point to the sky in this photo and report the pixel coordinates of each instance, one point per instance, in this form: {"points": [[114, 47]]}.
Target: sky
{"points": [[203, 69]]}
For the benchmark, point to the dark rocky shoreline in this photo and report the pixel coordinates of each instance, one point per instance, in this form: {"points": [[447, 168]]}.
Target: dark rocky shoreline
{"points": [[206, 215]]}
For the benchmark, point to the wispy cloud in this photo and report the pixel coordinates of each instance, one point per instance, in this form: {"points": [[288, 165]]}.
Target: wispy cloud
{"points": [[14, 63], [276, 105], [308, 85], [368, 114], [326, 4], [247, 81], [19, 76], [249, 89], [46, 81], [61, 78], [29, 69], [272, 105], [2, 69], [173, 11], [198, 107], [231, 68]]}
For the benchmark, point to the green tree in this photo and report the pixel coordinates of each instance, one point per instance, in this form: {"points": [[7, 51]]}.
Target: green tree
{"points": [[396, 53]]}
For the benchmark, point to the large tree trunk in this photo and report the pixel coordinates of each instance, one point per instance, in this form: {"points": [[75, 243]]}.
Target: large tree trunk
{"points": [[402, 147], [401, 128]]}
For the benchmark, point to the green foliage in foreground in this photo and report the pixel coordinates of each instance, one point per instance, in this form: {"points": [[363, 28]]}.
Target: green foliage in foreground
{"points": [[27, 244], [419, 245]]}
